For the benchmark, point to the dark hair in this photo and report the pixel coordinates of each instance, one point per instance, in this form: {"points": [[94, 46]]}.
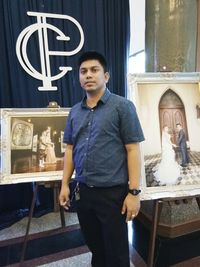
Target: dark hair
{"points": [[178, 123], [90, 55]]}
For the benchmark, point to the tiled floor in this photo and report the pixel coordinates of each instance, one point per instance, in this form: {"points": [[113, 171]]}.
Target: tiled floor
{"points": [[44, 223], [77, 257], [82, 260], [189, 175]]}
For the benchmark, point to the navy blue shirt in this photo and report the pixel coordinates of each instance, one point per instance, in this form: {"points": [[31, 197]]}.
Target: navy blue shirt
{"points": [[99, 135]]}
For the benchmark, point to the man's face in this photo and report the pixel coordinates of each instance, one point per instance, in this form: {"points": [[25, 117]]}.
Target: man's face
{"points": [[92, 76]]}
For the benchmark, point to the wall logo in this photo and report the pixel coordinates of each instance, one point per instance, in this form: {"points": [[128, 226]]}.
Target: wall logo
{"points": [[41, 27]]}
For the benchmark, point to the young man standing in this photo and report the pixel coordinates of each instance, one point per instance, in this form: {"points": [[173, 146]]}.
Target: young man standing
{"points": [[102, 136], [182, 145]]}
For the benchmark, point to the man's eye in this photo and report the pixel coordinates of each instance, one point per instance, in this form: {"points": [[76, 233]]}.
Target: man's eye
{"points": [[94, 70]]}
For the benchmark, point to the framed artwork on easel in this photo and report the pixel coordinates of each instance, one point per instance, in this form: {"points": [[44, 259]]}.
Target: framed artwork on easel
{"points": [[31, 145], [168, 108]]}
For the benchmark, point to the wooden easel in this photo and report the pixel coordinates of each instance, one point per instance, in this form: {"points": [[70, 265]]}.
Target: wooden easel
{"points": [[56, 186], [157, 208]]}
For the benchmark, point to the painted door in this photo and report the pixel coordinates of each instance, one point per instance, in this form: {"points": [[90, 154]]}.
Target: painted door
{"points": [[170, 117]]}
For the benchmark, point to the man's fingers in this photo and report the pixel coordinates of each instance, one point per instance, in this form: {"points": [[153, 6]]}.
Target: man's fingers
{"points": [[65, 204], [131, 216], [128, 216], [123, 209]]}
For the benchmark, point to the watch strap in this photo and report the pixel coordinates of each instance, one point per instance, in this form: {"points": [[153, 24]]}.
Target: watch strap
{"points": [[134, 191]]}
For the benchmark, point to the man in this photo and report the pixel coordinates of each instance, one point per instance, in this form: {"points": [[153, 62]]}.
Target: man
{"points": [[182, 144], [102, 135]]}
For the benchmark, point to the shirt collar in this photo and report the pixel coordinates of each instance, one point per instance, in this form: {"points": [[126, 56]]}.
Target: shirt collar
{"points": [[105, 96], [103, 99]]}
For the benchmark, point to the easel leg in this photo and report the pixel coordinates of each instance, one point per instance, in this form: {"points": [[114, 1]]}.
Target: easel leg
{"points": [[56, 188], [62, 216], [156, 215], [28, 225], [198, 201]]}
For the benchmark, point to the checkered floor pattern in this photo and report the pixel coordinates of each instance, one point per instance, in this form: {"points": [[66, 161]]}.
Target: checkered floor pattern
{"points": [[189, 175]]}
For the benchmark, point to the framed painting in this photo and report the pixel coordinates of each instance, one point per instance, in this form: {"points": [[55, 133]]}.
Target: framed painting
{"points": [[32, 148], [168, 105]]}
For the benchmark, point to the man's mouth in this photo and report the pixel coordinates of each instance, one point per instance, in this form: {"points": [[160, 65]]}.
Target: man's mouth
{"points": [[89, 83]]}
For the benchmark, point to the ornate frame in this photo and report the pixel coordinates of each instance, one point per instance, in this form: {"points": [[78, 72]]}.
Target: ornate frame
{"points": [[146, 90], [20, 130]]}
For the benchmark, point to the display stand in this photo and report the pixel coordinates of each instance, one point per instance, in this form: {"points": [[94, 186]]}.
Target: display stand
{"points": [[56, 185], [157, 208]]}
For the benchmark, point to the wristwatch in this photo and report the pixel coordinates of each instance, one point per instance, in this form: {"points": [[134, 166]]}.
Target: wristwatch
{"points": [[134, 191]]}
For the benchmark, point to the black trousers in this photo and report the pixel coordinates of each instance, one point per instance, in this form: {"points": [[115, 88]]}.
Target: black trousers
{"points": [[103, 226]]}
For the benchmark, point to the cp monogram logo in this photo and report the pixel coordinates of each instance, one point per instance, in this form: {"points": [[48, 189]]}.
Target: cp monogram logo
{"points": [[41, 26]]}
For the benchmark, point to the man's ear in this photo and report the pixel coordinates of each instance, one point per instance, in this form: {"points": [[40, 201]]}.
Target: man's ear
{"points": [[107, 76]]}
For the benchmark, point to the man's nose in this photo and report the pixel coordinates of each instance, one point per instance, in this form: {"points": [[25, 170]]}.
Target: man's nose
{"points": [[88, 74]]}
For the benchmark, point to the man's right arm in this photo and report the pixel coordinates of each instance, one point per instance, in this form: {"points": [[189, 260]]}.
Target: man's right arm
{"points": [[67, 173]]}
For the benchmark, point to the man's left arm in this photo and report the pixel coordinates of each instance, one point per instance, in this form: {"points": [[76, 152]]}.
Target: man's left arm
{"points": [[131, 204]]}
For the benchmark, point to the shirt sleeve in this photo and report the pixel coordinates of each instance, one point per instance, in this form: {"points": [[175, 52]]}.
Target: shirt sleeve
{"points": [[67, 139], [130, 128]]}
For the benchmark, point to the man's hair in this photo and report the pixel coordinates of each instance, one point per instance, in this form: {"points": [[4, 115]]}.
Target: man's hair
{"points": [[93, 55], [178, 124]]}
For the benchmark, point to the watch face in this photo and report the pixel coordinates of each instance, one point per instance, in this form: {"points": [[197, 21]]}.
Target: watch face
{"points": [[134, 192]]}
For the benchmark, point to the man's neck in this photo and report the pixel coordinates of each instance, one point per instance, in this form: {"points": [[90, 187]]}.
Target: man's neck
{"points": [[93, 98]]}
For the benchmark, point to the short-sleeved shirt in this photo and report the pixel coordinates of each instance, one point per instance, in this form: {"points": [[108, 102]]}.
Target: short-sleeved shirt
{"points": [[99, 136]]}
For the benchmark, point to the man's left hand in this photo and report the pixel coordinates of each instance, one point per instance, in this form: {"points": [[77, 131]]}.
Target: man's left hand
{"points": [[131, 206]]}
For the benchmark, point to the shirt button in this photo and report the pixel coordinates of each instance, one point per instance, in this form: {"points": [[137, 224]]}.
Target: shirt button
{"points": [[89, 123], [92, 109], [87, 138], [85, 154]]}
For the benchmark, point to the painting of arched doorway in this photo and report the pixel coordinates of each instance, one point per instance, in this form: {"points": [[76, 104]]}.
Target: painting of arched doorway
{"points": [[171, 112], [165, 99]]}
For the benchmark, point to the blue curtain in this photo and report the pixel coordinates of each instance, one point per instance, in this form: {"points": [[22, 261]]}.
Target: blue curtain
{"points": [[106, 29], [105, 25]]}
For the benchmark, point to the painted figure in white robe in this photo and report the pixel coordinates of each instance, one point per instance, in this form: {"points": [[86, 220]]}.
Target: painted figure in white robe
{"points": [[168, 170], [50, 148], [46, 148]]}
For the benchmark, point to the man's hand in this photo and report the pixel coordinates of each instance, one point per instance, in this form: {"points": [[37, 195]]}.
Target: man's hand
{"points": [[64, 197], [131, 206]]}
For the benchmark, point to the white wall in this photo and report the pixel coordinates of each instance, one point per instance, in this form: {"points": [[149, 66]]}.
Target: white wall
{"points": [[137, 24]]}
